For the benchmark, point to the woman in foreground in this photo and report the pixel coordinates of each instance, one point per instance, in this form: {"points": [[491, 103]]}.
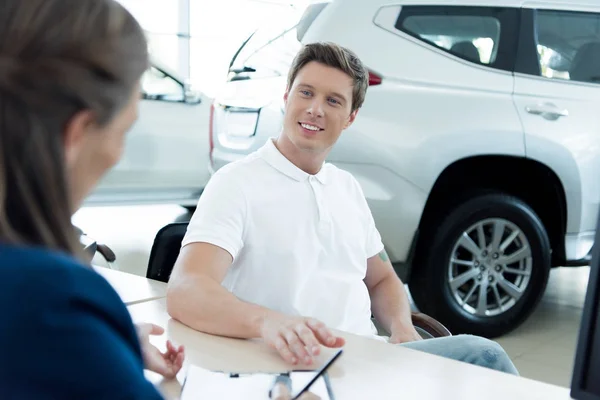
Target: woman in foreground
{"points": [[69, 73]]}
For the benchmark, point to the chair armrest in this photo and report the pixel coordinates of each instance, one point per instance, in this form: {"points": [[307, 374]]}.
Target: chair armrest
{"points": [[429, 325]]}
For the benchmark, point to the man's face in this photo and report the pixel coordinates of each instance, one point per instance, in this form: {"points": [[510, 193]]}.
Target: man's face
{"points": [[318, 107]]}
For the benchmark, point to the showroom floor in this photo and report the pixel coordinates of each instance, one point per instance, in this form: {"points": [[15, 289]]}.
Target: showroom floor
{"points": [[542, 348]]}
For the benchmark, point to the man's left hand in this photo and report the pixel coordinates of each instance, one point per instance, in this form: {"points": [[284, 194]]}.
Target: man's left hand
{"points": [[168, 363], [405, 334]]}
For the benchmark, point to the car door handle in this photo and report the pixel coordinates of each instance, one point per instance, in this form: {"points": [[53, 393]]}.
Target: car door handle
{"points": [[548, 111]]}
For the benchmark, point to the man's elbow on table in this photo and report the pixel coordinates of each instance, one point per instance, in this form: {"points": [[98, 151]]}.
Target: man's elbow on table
{"points": [[177, 297], [199, 268]]}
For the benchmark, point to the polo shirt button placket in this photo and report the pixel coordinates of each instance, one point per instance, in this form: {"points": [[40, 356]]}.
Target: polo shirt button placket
{"points": [[318, 192]]}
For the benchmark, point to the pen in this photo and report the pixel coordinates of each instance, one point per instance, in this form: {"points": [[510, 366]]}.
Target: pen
{"points": [[282, 386]]}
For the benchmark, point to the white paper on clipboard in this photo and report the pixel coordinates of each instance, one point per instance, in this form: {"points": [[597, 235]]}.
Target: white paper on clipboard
{"points": [[203, 384]]}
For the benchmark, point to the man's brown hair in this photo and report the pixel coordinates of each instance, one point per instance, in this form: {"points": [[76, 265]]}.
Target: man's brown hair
{"points": [[335, 56]]}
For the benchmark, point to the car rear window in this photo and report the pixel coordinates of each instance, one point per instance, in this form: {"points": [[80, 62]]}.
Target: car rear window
{"points": [[481, 35]]}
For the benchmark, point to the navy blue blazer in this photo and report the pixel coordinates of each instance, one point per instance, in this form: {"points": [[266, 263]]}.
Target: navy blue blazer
{"points": [[64, 332]]}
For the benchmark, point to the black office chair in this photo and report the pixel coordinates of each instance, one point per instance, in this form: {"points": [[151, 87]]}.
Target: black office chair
{"points": [[165, 251]]}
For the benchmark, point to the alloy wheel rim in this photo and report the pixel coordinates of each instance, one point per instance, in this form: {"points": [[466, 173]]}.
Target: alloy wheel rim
{"points": [[490, 267]]}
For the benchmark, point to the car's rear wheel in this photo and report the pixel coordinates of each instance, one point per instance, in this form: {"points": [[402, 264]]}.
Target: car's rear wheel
{"points": [[484, 268]]}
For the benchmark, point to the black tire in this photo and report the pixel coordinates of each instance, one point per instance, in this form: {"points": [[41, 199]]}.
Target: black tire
{"points": [[430, 286]]}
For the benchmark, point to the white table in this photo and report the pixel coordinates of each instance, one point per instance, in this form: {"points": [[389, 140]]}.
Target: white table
{"points": [[131, 288], [368, 369]]}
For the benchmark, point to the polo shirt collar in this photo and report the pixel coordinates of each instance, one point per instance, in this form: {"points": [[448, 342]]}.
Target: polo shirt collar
{"points": [[273, 156]]}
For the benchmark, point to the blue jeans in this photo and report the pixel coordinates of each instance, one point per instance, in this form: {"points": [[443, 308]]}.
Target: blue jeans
{"points": [[467, 348]]}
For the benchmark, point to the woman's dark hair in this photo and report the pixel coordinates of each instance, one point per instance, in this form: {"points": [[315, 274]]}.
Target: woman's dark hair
{"points": [[57, 57]]}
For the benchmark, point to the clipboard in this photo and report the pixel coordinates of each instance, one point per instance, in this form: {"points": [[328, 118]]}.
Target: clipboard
{"points": [[204, 384]]}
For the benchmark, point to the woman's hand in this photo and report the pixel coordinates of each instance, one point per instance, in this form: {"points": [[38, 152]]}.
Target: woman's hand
{"points": [[167, 364]]}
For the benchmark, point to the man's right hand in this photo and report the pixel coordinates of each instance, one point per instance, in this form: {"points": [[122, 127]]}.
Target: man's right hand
{"points": [[298, 339]]}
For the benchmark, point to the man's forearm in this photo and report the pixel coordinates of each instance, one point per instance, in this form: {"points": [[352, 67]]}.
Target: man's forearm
{"points": [[390, 304], [205, 305]]}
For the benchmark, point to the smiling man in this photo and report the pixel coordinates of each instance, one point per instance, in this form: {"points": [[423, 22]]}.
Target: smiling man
{"points": [[283, 246]]}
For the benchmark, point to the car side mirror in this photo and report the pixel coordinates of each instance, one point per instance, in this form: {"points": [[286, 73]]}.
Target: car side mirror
{"points": [[190, 96]]}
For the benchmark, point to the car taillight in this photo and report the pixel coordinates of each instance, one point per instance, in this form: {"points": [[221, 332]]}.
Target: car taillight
{"points": [[374, 79], [211, 142]]}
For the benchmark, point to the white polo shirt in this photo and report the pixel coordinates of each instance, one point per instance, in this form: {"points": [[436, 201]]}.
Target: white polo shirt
{"points": [[299, 242]]}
